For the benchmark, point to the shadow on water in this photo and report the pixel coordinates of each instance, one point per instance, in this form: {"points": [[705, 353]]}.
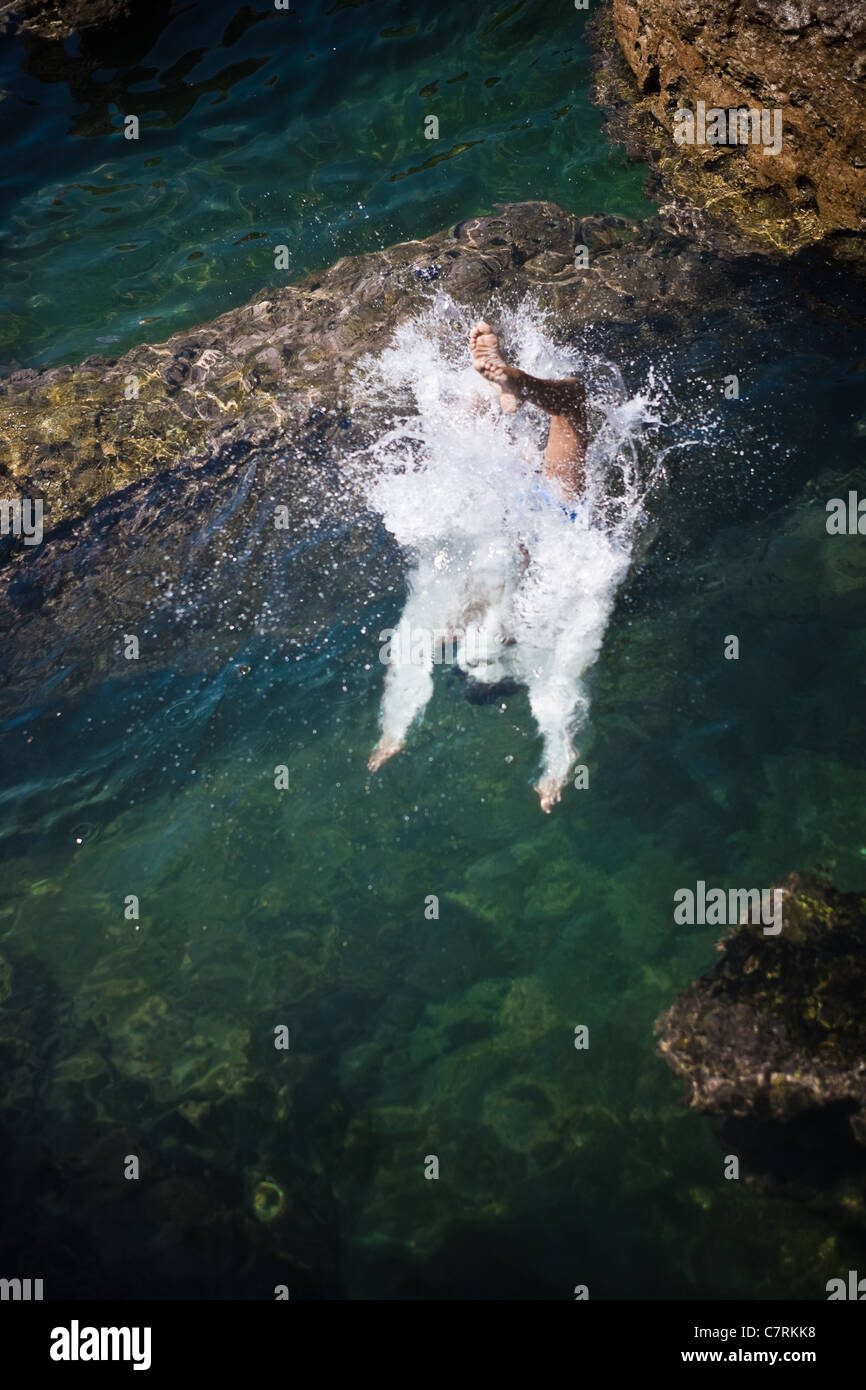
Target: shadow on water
{"points": [[816, 1151]]}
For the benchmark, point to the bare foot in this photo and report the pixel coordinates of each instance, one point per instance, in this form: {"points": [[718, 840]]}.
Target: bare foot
{"points": [[484, 347], [549, 793], [385, 749]]}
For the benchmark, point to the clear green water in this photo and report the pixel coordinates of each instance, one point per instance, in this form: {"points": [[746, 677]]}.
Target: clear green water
{"points": [[410, 1037]]}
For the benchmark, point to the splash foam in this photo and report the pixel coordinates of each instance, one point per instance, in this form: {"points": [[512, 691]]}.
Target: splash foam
{"points": [[456, 482]]}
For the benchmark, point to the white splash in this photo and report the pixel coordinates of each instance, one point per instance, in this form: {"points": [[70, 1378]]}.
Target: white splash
{"points": [[457, 483]]}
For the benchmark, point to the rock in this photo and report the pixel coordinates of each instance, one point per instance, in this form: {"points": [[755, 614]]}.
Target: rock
{"points": [[73, 438], [170, 490], [774, 1036], [269, 1201], [256, 375], [269, 360], [58, 19], [805, 59]]}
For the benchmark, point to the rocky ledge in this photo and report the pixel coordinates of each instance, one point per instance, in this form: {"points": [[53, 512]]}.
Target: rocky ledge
{"points": [[150, 464], [805, 59], [277, 367], [773, 1040]]}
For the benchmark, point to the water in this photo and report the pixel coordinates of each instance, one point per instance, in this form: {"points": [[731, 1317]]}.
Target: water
{"points": [[497, 555], [309, 906], [264, 128]]}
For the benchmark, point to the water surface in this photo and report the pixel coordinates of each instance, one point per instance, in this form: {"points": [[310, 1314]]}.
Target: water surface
{"points": [[305, 906]]}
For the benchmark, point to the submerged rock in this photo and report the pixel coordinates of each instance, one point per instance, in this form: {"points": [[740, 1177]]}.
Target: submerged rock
{"points": [[105, 65], [806, 61], [773, 1039]]}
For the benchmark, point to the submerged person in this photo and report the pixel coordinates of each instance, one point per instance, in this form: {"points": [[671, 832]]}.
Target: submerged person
{"points": [[562, 472]]}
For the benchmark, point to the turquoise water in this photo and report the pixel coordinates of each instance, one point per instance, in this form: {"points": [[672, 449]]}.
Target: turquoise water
{"points": [[306, 907], [261, 128]]}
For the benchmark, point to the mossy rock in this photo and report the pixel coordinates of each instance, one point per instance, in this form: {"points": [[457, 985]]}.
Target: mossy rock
{"points": [[777, 1030]]}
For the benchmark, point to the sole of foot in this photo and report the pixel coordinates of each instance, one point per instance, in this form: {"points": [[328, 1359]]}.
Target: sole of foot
{"points": [[487, 359], [385, 749], [549, 795]]}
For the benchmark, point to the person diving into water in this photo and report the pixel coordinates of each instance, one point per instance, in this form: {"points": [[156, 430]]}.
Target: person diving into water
{"points": [[561, 485]]}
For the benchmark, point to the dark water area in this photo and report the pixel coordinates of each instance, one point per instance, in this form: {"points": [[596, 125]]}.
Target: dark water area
{"points": [[304, 907]]}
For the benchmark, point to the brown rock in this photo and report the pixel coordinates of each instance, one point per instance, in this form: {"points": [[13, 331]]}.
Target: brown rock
{"points": [[807, 59]]}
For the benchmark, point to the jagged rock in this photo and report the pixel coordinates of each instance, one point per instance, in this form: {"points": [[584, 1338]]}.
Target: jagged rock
{"points": [[775, 1033], [808, 59]]}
